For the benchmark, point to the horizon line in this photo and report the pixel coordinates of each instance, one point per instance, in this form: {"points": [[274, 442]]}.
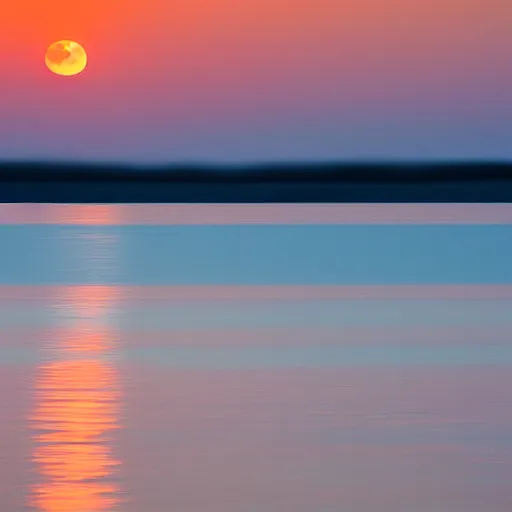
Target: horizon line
{"points": [[300, 182]]}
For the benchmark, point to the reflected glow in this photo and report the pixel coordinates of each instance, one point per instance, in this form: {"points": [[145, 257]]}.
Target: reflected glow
{"points": [[77, 407]]}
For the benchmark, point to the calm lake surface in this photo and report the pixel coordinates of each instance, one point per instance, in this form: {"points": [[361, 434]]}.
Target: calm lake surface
{"points": [[269, 358]]}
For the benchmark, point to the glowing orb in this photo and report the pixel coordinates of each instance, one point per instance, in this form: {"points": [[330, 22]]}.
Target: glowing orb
{"points": [[66, 58]]}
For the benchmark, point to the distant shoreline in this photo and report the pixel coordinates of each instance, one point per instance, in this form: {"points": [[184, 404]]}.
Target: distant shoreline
{"points": [[285, 183]]}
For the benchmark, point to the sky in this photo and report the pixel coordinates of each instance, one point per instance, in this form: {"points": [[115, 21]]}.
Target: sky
{"points": [[265, 80]]}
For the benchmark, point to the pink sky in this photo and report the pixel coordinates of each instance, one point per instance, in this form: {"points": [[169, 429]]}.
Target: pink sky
{"points": [[267, 80]]}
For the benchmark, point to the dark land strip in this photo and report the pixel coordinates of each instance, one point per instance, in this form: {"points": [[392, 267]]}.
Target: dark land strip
{"points": [[473, 182]]}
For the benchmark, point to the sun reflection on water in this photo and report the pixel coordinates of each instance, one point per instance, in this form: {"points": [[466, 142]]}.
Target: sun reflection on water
{"points": [[78, 405]]}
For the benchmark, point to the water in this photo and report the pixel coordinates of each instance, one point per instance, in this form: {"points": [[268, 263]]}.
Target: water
{"points": [[256, 359]]}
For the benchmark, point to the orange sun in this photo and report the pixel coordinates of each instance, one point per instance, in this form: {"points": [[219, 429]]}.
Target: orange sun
{"points": [[66, 58]]}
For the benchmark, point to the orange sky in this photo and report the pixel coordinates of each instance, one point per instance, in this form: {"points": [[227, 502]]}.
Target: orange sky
{"points": [[200, 72]]}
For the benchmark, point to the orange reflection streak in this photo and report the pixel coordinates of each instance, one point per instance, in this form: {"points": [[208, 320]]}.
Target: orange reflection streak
{"points": [[87, 214], [78, 409]]}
